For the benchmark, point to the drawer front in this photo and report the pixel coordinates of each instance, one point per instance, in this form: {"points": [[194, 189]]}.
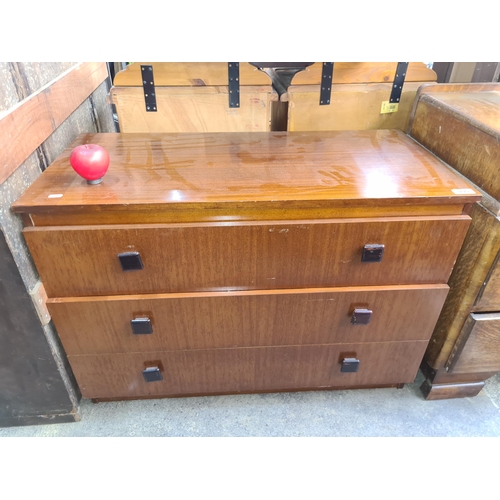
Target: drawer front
{"points": [[83, 261], [489, 297], [246, 370], [477, 349], [244, 319]]}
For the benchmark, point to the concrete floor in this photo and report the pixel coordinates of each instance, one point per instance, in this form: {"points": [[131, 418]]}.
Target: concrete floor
{"points": [[375, 412]]}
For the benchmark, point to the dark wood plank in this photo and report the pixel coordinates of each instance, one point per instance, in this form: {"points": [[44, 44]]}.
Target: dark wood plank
{"points": [[477, 349], [489, 297], [25, 126], [79, 261], [478, 253], [100, 325], [433, 392], [443, 376], [247, 369], [235, 171]]}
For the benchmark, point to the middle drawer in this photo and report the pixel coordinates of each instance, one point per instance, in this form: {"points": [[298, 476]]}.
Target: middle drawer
{"points": [[211, 320]]}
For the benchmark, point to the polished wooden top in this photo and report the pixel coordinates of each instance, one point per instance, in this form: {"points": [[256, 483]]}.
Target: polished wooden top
{"points": [[235, 170]]}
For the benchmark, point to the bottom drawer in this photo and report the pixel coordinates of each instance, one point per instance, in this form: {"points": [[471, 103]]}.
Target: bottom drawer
{"points": [[477, 349], [250, 369]]}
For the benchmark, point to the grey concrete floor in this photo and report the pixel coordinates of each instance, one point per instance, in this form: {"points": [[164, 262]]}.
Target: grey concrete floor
{"points": [[374, 412]]}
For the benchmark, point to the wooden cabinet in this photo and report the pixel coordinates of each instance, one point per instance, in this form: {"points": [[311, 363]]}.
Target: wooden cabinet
{"points": [[227, 263], [461, 125]]}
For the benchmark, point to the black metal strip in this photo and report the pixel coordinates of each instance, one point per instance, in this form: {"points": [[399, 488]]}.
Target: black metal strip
{"points": [[399, 80], [148, 84], [326, 84], [233, 75]]}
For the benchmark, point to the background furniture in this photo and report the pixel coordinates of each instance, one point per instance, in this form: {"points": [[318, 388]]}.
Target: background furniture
{"points": [[193, 97], [247, 262], [356, 100], [461, 125]]}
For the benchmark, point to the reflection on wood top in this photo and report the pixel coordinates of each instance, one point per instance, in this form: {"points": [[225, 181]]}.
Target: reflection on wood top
{"points": [[235, 170]]}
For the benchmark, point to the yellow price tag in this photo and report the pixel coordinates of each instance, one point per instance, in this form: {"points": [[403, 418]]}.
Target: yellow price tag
{"points": [[388, 107]]}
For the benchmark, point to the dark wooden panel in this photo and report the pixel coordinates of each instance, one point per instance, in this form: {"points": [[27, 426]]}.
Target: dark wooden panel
{"points": [[489, 298], [247, 369], [478, 347], [235, 171], [433, 392], [224, 256], [474, 262], [32, 390], [95, 325], [462, 128], [443, 376]]}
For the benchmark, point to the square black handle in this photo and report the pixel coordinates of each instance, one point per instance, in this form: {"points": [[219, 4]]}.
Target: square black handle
{"points": [[152, 374], [141, 326], [349, 365], [372, 253], [361, 316], [130, 261]]}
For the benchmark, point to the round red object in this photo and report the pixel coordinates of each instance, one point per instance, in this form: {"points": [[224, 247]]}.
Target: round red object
{"points": [[90, 161]]}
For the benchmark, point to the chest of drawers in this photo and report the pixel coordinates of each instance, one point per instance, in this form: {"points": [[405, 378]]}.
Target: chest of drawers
{"points": [[247, 262]]}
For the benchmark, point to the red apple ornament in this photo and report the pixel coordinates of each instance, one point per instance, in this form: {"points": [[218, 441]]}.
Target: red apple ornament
{"points": [[90, 161]]}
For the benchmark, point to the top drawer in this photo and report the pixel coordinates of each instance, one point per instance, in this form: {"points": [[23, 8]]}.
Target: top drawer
{"points": [[84, 260]]}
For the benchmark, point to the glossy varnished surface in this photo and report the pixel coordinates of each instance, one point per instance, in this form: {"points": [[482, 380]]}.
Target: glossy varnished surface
{"points": [[82, 260], [101, 325], [237, 170], [253, 369], [478, 347]]}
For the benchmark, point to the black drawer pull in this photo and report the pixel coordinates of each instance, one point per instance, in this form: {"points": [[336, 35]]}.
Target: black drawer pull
{"points": [[130, 261], [361, 316], [372, 253], [152, 374], [141, 326], [349, 365]]}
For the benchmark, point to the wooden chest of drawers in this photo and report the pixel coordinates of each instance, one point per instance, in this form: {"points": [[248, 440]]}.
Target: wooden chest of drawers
{"points": [[245, 262]]}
